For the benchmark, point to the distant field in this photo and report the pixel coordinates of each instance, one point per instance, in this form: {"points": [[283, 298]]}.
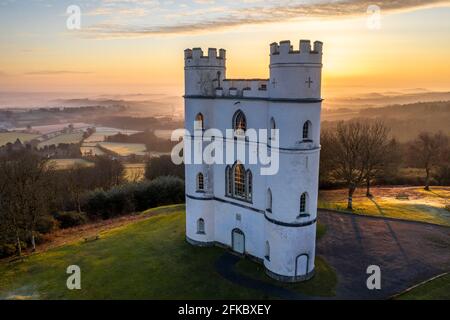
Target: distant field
{"points": [[134, 171], [163, 134], [7, 137], [57, 127], [68, 138], [63, 164], [102, 132], [125, 149], [419, 205], [94, 151]]}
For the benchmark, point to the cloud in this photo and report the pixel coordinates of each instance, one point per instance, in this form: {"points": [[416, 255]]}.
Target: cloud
{"points": [[53, 72], [256, 14]]}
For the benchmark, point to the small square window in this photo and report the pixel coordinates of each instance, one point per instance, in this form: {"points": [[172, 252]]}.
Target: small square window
{"points": [[238, 217]]}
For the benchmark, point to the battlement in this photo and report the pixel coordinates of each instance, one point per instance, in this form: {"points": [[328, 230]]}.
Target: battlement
{"points": [[284, 52], [195, 57], [248, 88]]}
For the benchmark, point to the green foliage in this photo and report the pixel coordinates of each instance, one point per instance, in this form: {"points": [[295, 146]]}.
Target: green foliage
{"points": [[163, 166], [70, 219], [132, 197], [46, 224]]}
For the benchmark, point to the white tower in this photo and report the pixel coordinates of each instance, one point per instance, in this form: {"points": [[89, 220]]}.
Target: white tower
{"points": [[270, 218]]}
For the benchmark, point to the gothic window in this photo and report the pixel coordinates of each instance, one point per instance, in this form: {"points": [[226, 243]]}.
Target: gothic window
{"points": [[199, 121], [267, 255], [307, 130], [269, 200], [303, 203], [200, 182], [201, 226], [238, 182], [239, 122]]}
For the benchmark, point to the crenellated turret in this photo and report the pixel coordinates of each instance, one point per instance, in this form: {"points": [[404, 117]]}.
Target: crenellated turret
{"points": [[203, 74], [295, 74]]}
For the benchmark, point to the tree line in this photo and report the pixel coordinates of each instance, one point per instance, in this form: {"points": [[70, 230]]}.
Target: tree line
{"points": [[36, 198], [358, 153]]}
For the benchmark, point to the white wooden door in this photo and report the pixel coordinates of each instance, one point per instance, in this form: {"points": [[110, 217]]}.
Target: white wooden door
{"points": [[238, 241], [302, 265]]}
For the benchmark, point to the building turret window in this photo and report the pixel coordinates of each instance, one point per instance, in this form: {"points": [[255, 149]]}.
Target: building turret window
{"points": [[269, 200], [267, 255], [303, 203], [273, 127], [307, 131], [200, 226], [239, 122], [200, 182], [199, 122]]}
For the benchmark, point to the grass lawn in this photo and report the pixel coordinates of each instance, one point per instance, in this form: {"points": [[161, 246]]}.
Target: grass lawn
{"points": [[149, 259], [421, 205], [6, 137], [437, 289]]}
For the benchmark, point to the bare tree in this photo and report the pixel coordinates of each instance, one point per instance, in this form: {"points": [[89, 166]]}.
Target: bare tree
{"points": [[425, 152], [76, 183], [346, 145], [376, 151], [108, 172], [24, 196]]}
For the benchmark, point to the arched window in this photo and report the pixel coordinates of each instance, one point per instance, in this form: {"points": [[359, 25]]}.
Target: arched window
{"points": [[307, 130], [201, 226], [239, 122], [267, 255], [199, 121], [249, 182], [269, 200], [304, 203], [200, 182], [273, 127], [239, 181]]}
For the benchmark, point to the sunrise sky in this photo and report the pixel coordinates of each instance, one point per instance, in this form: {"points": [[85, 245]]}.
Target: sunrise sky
{"points": [[130, 46]]}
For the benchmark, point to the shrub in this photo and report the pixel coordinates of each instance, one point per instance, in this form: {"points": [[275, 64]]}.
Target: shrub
{"points": [[163, 166], [46, 224], [160, 191], [7, 250], [95, 203], [132, 197], [70, 219]]}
